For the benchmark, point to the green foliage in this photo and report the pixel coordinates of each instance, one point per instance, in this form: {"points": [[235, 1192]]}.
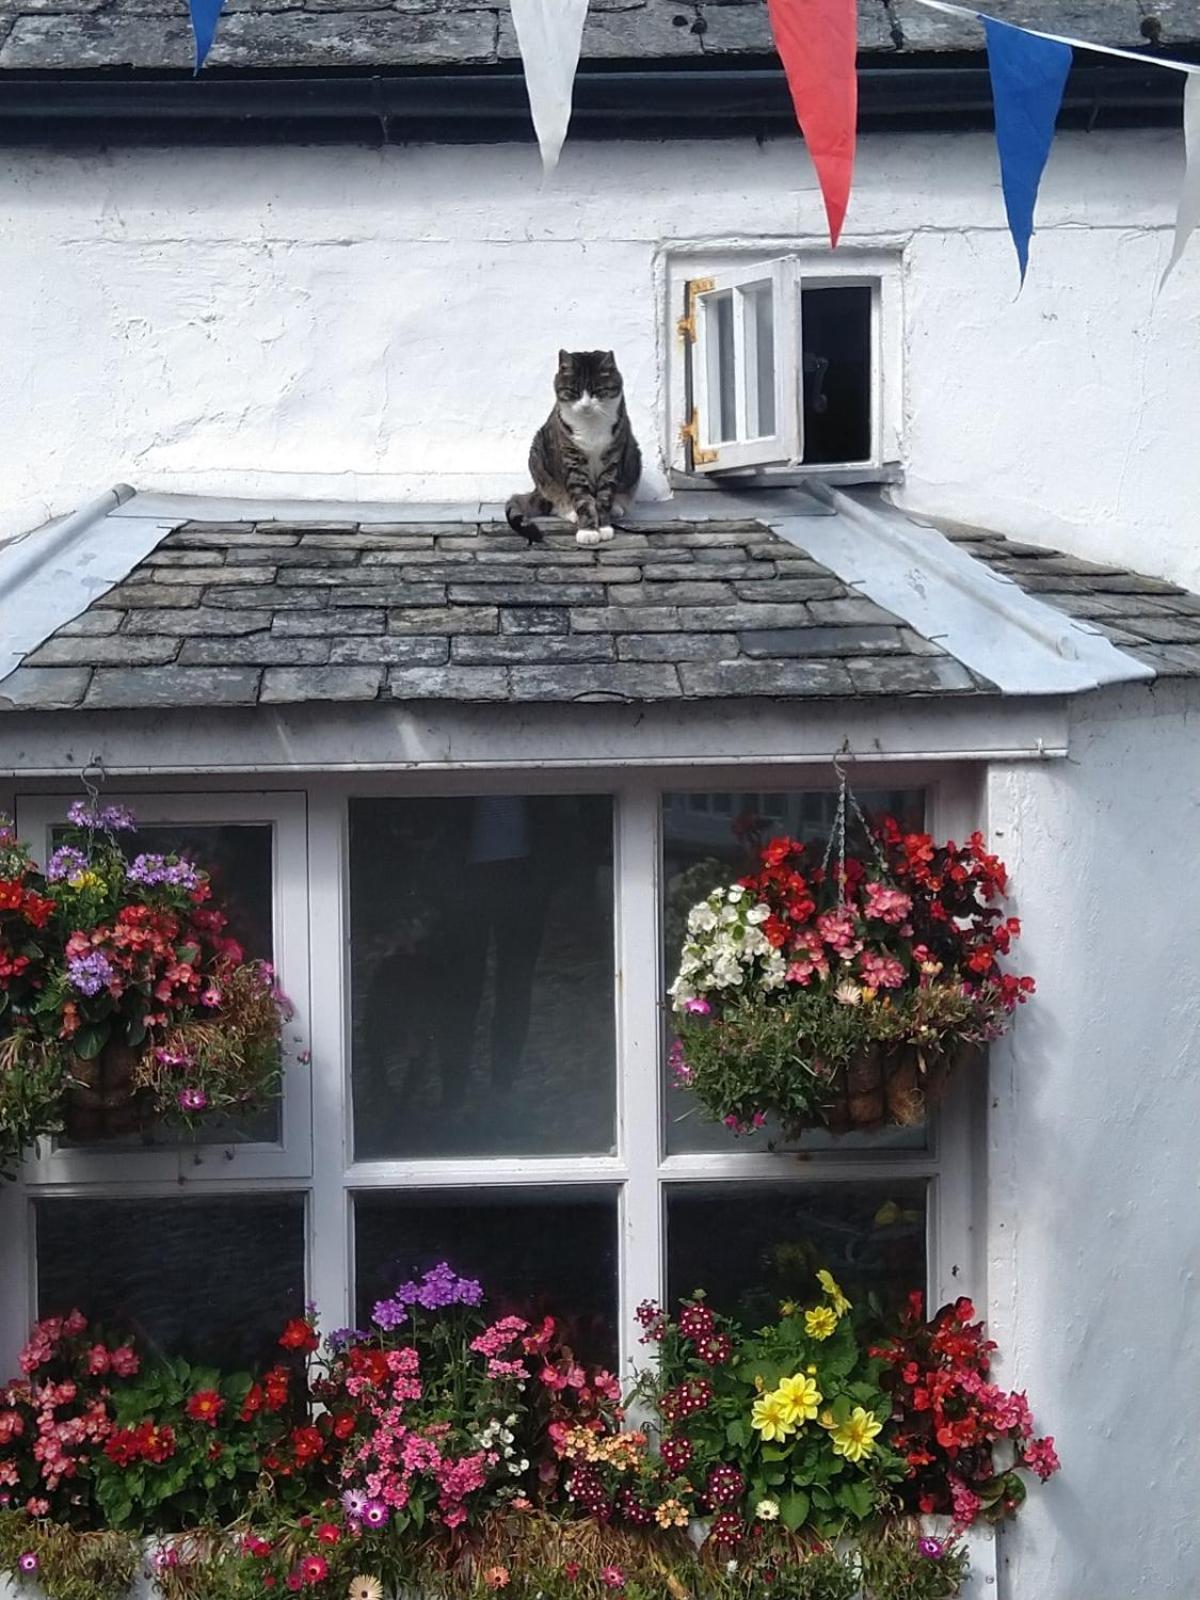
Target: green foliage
{"points": [[33, 1074]]}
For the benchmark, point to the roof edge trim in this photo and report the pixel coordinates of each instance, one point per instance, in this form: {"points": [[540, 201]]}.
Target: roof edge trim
{"points": [[48, 577]]}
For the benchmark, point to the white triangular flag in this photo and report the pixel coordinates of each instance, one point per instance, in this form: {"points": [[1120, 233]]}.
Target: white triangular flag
{"points": [[550, 33], [1188, 215]]}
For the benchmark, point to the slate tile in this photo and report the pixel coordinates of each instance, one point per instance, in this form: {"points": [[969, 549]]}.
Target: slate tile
{"points": [[676, 646], [505, 648], [121, 649], [337, 624], [622, 680], [295, 684], [255, 649], [447, 620], [44, 688], [113, 687], [391, 650], [448, 683], [200, 620], [755, 679]]}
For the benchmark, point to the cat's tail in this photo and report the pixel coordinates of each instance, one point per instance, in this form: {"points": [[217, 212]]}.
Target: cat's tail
{"points": [[522, 509]]}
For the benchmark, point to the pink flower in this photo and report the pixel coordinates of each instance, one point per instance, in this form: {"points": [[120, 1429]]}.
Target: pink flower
{"points": [[125, 1361], [966, 1503], [506, 1369], [698, 1007], [887, 904], [606, 1385], [37, 1507], [880, 971], [1041, 1455], [97, 1360], [837, 930], [74, 1323], [612, 1577], [192, 1099]]}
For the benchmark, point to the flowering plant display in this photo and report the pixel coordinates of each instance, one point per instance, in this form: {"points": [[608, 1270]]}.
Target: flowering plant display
{"points": [[783, 1425], [189, 1445], [447, 1415], [56, 1417], [965, 1441], [837, 993], [466, 1456], [122, 995]]}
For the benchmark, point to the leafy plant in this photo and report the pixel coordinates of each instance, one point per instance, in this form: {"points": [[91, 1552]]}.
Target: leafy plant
{"points": [[65, 1564]]}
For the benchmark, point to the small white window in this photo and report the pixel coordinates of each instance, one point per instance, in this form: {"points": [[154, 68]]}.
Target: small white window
{"points": [[779, 365]]}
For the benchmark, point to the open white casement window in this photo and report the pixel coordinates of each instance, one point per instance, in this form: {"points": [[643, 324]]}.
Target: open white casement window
{"points": [[782, 365]]}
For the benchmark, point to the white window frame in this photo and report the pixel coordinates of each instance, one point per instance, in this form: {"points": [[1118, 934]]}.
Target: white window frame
{"points": [[291, 1155], [313, 873], [693, 274]]}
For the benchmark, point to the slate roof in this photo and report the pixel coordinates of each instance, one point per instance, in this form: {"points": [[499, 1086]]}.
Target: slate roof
{"points": [[272, 612], [68, 35]]}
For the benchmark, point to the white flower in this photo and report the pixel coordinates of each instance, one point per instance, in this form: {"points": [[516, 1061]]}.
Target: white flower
{"points": [[701, 919], [758, 913], [731, 1567], [734, 893], [766, 1511]]}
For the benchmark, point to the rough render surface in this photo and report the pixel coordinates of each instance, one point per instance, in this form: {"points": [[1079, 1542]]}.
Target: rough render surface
{"points": [[66, 35]]}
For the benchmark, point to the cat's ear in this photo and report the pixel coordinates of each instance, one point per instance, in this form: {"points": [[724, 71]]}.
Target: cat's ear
{"points": [[564, 358], [610, 356]]}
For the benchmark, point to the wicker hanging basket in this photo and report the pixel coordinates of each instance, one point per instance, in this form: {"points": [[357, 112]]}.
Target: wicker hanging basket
{"points": [[103, 1099], [886, 1086]]}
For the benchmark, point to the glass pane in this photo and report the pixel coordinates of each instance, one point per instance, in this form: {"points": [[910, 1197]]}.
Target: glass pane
{"points": [[714, 844], [535, 1252], [481, 934], [721, 423], [210, 1280], [758, 309], [836, 324], [239, 859], [752, 1246]]}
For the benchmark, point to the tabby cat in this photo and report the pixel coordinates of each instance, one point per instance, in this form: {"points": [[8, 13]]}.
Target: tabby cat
{"points": [[584, 459]]}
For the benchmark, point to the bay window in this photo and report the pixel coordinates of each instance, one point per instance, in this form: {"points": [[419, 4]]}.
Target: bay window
{"points": [[476, 1072]]}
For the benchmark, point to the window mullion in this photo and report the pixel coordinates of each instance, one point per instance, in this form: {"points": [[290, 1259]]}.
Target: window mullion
{"points": [[329, 1222], [638, 1056]]}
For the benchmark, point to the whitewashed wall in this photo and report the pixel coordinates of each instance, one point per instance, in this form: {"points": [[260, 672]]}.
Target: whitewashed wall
{"points": [[1094, 1154], [362, 324]]}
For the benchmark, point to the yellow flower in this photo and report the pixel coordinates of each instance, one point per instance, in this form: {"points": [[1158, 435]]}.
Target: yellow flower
{"points": [[801, 1398], [855, 1438], [840, 1304], [826, 1420], [84, 880], [787, 1308], [771, 1417], [821, 1322], [365, 1588]]}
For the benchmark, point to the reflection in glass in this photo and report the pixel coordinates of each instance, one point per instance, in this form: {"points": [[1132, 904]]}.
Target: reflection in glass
{"points": [[482, 971], [211, 1280], [759, 342], [762, 1244], [711, 839], [836, 322], [535, 1253], [721, 378]]}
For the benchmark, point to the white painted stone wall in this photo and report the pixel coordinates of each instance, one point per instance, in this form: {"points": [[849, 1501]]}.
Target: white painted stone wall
{"points": [[353, 323], [1093, 1217]]}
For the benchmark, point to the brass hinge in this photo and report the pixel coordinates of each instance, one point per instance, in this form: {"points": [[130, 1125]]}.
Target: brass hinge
{"points": [[686, 326], [690, 434]]}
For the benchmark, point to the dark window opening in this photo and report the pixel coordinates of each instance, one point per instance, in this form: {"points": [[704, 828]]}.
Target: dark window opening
{"points": [[836, 327]]}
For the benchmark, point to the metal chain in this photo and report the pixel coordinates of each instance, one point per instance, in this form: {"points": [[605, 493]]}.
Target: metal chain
{"points": [[838, 830]]}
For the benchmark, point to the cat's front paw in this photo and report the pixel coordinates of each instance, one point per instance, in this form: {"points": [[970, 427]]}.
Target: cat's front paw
{"points": [[592, 536]]}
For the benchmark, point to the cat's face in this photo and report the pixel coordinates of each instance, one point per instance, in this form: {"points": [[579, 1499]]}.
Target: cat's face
{"points": [[587, 379]]}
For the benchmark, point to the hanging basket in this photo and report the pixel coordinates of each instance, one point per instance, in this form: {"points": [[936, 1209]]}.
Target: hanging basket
{"points": [[103, 1098], [886, 1086]]}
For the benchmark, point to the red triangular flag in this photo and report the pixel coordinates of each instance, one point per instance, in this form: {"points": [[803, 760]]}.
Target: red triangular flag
{"points": [[817, 42]]}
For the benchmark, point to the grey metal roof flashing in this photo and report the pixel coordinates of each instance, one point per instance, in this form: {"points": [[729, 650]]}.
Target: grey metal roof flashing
{"points": [[810, 593]]}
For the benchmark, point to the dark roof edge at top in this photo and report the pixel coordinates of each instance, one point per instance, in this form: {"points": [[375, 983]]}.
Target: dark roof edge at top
{"points": [[489, 105]]}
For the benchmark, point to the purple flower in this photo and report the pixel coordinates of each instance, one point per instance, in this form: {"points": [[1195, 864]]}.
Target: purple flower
{"points": [[172, 871], [354, 1504], [65, 863], [192, 1099], [438, 1288], [389, 1314], [90, 814], [173, 1058], [374, 1513], [340, 1338], [91, 973], [932, 1549], [28, 1561], [469, 1292], [697, 1006]]}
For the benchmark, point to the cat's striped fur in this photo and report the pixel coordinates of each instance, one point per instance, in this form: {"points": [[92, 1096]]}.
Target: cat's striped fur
{"points": [[584, 459]]}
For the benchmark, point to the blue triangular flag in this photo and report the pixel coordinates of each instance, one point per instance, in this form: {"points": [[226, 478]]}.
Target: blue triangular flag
{"points": [[204, 26], [1029, 75]]}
